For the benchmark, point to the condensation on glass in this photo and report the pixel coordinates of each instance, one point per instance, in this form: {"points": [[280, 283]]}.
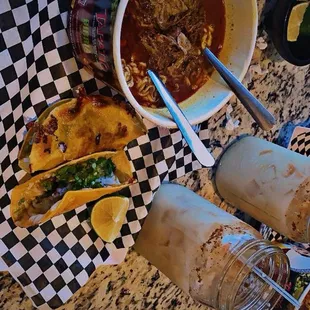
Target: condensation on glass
{"points": [[270, 183], [209, 253]]}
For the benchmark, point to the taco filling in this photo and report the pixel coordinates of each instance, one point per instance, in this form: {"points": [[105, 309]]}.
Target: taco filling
{"points": [[69, 186], [66, 131], [93, 173]]}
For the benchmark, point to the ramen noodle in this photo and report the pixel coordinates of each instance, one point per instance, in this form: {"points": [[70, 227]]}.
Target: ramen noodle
{"points": [[169, 38]]}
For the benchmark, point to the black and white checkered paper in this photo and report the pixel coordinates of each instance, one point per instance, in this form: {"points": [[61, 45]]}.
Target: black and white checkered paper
{"points": [[301, 144], [53, 260]]}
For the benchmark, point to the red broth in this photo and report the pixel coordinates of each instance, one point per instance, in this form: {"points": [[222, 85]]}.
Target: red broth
{"points": [[170, 44]]}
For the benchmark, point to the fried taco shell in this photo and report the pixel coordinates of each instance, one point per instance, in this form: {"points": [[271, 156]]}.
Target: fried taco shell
{"points": [[69, 186], [73, 128]]}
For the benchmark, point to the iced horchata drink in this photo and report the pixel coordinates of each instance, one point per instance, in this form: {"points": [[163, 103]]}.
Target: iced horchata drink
{"points": [[209, 253], [270, 183]]}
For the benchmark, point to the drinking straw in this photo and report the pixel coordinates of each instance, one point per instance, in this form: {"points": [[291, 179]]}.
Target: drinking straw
{"points": [[277, 287]]}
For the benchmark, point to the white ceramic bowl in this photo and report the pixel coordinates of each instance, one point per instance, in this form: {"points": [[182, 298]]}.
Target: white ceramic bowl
{"points": [[239, 43]]}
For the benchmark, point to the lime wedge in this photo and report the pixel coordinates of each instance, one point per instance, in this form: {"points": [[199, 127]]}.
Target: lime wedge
{"points": [[295, 21], [108, 216]]}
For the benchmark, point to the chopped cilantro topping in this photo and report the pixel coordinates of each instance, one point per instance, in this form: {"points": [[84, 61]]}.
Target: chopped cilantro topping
{"points": [[81, 175], [21, 201]]}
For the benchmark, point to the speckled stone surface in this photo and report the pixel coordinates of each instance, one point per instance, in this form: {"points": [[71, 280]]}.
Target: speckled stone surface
{"points": [[135, 284]]}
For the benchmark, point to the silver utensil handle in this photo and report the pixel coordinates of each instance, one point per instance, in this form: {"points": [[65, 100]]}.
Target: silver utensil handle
{"points": [[193, 141], [260, 114]]}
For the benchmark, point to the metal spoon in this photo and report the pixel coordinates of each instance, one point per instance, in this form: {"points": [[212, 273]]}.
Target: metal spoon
{"points": [[260, 114], [193, 141]]}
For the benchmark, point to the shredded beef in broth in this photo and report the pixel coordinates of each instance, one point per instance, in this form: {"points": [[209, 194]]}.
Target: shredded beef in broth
{"points": [[169, 37]]}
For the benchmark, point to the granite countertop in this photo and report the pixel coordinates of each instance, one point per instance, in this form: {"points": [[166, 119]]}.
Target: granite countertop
{"points": [[135, 284]]}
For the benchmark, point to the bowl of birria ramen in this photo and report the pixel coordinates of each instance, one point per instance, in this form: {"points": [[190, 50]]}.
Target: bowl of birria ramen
{"points": [[169, 38]]}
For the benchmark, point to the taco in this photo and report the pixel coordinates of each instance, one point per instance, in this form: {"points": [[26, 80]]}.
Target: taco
{"points": [[69, 186], [73, 128]]}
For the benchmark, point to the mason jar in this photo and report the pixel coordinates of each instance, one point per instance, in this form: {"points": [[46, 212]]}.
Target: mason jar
{"points": [[210, 254], [268, 182]]}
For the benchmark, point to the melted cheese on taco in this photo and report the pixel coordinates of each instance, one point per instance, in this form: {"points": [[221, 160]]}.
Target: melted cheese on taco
{"points": [[69, 186], [78, 127]]}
